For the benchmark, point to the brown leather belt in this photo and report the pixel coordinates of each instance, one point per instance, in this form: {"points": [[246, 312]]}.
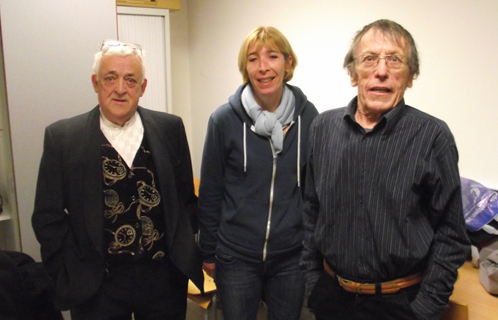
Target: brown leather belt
{"points": [[369, 288]]}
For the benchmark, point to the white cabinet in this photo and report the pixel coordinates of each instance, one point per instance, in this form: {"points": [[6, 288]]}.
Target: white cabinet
{"points": [[9, 220]]}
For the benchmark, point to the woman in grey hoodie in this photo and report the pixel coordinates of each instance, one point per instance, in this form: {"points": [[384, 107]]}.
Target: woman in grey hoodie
{"points": [[250, 206]]}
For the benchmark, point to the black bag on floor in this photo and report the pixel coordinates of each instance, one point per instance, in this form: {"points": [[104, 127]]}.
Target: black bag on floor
{"points": [[26, 290]]}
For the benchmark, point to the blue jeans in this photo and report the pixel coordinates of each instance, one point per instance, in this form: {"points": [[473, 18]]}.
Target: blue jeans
{"points": [[242, 285]]}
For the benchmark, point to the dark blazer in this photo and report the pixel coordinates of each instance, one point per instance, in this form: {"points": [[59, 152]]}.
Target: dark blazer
{"points": [[68, 217]]}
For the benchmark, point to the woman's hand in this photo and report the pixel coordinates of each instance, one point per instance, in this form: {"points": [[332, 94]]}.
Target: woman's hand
{"points": [[209, 268]]}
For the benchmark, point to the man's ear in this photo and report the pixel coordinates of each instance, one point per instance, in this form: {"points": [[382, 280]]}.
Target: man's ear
{"points": [[144, 85], [94, 82], [354, 78], [409, 83]]}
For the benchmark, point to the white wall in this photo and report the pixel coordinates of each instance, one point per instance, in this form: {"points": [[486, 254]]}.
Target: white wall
{"points": [[49, 47], [180, 69], [48, 53], [456, 39]]}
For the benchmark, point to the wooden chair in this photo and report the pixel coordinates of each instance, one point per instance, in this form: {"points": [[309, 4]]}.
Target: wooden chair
{"points": [[197, 181], [455, 311], [208, 301]]}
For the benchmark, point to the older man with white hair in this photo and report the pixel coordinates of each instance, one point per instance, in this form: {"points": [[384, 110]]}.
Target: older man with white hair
{"points": [[115, 203]]}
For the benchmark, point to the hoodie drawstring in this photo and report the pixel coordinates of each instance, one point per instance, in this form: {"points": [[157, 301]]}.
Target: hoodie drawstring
{"points": [[298, 151], [245, 147]]}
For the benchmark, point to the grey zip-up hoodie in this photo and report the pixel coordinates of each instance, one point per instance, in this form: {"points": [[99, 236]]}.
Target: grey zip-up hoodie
{"points": [[249, 197]]}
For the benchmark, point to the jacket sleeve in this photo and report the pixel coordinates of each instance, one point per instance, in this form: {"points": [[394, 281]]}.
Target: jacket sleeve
{"points": [[311, 259], [450, 243], [50, 220], [211, 190]]}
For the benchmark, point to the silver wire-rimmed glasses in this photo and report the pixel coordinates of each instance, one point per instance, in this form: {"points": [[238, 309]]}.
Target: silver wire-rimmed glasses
{"points": [[369, 60]]}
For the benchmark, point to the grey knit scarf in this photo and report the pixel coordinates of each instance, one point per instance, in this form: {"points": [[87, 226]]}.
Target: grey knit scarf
{"points": [[270, 124]]}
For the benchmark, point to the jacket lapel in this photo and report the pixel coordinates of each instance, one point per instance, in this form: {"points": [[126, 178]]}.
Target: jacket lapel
{"points": [[92, 181], [164, 171]]}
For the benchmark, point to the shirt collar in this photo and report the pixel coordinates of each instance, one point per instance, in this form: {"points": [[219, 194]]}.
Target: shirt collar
{"points": [[126, 139], [109, 125], [388, 120]]}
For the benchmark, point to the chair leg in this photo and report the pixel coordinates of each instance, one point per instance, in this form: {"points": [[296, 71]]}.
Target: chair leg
{"points": [[214, 305]]}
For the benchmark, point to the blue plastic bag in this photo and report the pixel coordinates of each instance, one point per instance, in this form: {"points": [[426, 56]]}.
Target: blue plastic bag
{"points": [[480, 204]]}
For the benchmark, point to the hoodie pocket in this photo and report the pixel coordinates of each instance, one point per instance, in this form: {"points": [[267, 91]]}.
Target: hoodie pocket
{"points": [[223, 257], [250, 212]]}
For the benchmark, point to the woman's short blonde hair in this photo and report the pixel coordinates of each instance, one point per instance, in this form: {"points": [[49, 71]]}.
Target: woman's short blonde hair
{"points": [[270, 38]]}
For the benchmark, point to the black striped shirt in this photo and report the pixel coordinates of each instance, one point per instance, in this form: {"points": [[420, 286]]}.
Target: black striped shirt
{"points": [[384, 204]]}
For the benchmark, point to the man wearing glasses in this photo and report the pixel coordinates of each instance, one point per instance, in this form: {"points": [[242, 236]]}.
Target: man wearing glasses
{"points": [[384, 228], [115, 201]]}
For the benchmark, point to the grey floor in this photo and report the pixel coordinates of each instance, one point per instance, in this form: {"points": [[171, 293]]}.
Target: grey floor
{"points": [[196, 312]]}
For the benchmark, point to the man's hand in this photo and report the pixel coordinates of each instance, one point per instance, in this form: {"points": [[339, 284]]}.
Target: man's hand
{"points": [[209, 268]]}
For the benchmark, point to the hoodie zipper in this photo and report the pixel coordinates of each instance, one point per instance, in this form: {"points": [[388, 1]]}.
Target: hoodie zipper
{"points": [[272, 187], [270, 209]]}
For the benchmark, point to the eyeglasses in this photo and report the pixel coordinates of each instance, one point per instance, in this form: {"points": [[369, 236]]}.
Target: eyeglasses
{"points": [[106, 44], [372, 60]]}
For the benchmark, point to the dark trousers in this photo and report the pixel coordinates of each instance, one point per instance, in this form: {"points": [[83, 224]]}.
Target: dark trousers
{"points": [[329, 301], [149, 289]]}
